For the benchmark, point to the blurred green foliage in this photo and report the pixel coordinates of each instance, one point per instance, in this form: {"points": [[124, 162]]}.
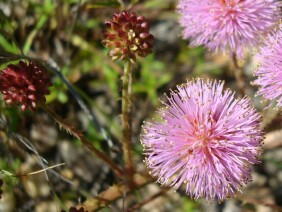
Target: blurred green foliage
{"points": [[7, 169], [153, 76], [104, 3]]}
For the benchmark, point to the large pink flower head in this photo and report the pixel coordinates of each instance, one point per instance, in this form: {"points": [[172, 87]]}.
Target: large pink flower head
{"points": [[206, 139], [227, 25], [269, 72]]}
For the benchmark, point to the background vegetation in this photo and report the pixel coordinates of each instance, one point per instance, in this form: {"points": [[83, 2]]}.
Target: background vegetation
{"points": [[67, 35]]}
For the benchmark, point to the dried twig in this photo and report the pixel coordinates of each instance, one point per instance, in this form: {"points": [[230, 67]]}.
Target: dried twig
{"points": [[114, 193]]}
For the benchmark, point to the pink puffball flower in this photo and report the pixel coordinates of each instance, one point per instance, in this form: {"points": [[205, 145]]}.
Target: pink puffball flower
{"points": [[227, 25], [269, 71], [205, 139]]}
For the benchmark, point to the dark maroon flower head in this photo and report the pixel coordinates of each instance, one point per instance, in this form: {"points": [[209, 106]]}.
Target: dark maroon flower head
{"points": [[25, 85], [127, 35]]}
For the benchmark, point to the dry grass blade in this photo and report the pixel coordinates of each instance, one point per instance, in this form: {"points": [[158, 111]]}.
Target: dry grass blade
{"points": [[31, 173], [113, 193]]}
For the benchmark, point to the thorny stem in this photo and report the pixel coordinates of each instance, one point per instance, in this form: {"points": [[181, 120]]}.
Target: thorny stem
{"points": [[126, 118], [239, 76], [73, 131]]}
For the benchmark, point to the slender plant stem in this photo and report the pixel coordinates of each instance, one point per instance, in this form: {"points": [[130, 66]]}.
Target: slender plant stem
{"points": [[126, 118], [70, 129], [239, 76]]}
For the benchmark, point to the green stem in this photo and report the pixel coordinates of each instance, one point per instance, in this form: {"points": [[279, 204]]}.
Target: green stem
{"points": [[126, 118]]}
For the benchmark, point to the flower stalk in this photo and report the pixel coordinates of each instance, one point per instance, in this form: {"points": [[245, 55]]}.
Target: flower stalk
{"points": [[126, 117], [127, 35]]}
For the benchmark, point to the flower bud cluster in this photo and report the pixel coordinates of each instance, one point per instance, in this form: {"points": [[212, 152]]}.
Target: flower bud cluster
{"points": [[127, 35], [25, 85]]}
